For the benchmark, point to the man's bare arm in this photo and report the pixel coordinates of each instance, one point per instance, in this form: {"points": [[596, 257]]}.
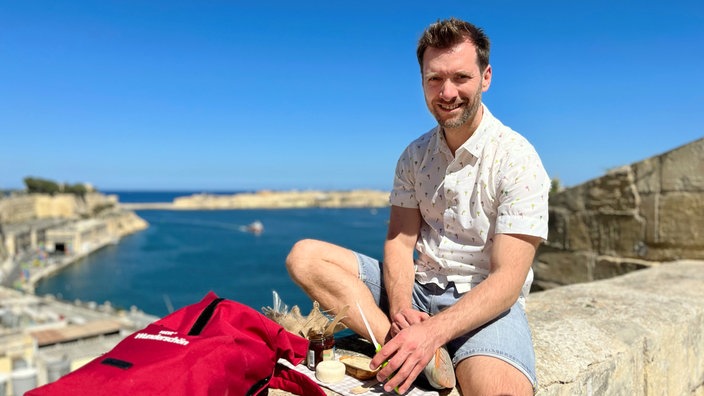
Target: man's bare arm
{"points": [[413, 347], [399, 271], [511, 259]]}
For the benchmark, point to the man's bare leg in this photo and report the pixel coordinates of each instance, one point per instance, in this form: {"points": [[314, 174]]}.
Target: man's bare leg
{"points": [[329, 274], [486, 375]]}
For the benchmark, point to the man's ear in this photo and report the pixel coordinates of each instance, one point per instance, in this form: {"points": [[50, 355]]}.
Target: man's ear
{"points": [[486, 78]]}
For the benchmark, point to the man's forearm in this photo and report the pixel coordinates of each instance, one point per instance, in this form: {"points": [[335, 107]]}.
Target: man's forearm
{"points": [[511, 261], [399, 270], [398, 276], [477, 307]]}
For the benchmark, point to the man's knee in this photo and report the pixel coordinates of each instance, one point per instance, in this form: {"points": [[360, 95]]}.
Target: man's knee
{"points": [[486, 375], [300, 256]]}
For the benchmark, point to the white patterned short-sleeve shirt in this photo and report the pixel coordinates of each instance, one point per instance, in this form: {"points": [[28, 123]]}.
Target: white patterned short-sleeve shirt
{"points": [[494, 184]]}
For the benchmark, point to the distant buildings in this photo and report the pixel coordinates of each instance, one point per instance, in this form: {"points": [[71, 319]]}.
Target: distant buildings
{"points": [[40, 234], [42, 339]]}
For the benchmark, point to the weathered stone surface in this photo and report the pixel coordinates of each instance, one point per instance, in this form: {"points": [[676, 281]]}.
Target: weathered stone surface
{"points": [[557, 228], [639, 334], [571, 199], [619, 235], [667, 254], [650, 210], [606, 267], [681, 219], [612, 193], [647, 175], [560, 267], [570, 230], [683, 168], [581, 233]]}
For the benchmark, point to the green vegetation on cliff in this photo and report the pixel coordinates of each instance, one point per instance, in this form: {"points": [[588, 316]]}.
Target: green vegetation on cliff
{"points": [[44, 186]]}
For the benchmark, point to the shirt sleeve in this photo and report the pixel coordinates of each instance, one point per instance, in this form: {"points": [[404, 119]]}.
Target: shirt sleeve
{"points": [[403, 193], [524, 189]]}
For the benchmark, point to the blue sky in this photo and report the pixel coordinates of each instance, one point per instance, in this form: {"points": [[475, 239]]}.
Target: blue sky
{"points": [[233, 95]]}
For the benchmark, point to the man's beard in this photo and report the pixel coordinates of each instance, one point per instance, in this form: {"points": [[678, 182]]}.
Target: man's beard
{"points": [[468, 113]]}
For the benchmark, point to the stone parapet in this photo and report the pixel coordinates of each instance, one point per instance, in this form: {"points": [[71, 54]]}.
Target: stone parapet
{"points": [[637, 334]]}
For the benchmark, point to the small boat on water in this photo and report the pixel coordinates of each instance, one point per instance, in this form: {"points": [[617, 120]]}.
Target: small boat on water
{"points": [[256, 227]]}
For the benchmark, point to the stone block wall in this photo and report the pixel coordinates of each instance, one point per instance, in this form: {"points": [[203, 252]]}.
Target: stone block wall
{"points": [[631, 218], [16, 209], [23, 208]]}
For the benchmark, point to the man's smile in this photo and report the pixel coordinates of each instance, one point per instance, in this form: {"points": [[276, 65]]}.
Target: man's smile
{"points": [[450, 107]]}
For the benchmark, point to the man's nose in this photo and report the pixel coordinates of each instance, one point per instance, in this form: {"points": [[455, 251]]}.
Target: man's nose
{"points": [[448, 90]]}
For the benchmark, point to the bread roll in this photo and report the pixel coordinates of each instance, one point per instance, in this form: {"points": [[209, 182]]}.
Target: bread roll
{"points": [[358, 366]]}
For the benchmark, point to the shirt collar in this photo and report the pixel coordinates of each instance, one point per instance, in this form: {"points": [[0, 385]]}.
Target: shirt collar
{"points": [[474, 144]]}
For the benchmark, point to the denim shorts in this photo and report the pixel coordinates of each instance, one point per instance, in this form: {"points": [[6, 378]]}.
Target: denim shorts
{"points": [[507, 337]]}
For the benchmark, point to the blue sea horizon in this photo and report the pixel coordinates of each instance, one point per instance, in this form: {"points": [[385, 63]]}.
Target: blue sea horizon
{"points": [[185, 254]]}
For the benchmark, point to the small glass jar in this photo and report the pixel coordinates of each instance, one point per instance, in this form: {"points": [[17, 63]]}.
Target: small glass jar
{"points": [[320, 347]]}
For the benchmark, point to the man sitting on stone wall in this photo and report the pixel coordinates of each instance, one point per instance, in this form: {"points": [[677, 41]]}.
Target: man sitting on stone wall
{"points": [[470, 197]]}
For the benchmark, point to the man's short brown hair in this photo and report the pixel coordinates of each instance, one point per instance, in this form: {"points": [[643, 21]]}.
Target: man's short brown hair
{"points": [[447, 33]]}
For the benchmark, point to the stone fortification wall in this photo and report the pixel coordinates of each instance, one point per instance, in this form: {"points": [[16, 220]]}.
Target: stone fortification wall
{"points": [[637, 334], [121, 223], [26, 219], [22, 208], [16, 209], [634, 216]]}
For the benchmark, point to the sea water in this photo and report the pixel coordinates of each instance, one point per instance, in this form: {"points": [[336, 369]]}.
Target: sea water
{"points": [[185, 254]]}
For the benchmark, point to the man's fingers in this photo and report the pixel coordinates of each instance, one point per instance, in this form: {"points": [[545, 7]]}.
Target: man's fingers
{"points": [[389, 365], [409, 317], [401, 321], [404, 353], [383, 355], [395, 329], [402, 379]]}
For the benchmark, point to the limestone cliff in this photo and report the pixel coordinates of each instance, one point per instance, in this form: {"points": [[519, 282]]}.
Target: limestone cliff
{"points": [[285, 199], [121, 223]]}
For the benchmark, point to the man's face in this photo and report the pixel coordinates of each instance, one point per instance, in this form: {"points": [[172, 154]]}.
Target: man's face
{"points": [[453, 85]]}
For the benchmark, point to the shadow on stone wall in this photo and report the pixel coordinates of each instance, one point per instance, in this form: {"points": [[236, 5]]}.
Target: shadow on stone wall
{"points": [[634, 217]]}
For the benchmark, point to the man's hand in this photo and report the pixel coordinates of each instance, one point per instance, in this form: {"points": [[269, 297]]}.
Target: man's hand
{"points": [[404, 319], [407, 353]]}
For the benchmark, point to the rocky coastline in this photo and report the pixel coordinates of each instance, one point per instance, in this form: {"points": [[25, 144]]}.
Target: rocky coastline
{"points": [[267, 199], [43, 233]]}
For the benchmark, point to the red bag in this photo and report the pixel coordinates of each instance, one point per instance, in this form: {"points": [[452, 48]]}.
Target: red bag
{"points": [[214, 347]]}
